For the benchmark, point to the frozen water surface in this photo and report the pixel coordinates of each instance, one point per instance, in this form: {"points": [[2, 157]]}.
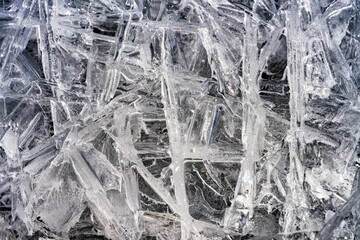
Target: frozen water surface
{"points": [[179, 119]]}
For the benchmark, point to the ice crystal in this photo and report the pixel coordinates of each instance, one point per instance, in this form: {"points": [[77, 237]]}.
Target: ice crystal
{"points": [[179, 119]]}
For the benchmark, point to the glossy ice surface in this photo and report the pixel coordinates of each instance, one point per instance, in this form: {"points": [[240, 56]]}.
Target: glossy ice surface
{"points": [[179, 119]]}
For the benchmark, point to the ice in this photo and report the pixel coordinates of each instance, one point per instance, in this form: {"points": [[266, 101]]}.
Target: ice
{"points": [[177, 119]]}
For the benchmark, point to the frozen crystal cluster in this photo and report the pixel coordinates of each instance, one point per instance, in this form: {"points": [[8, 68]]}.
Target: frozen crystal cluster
{"points": [[179, 119]]}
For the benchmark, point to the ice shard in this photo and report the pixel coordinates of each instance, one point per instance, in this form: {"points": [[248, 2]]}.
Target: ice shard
{"points": [[179, 119]]}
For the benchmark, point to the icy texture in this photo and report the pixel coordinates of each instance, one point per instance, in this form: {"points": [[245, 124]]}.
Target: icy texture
{"points": [[179, 119]]}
